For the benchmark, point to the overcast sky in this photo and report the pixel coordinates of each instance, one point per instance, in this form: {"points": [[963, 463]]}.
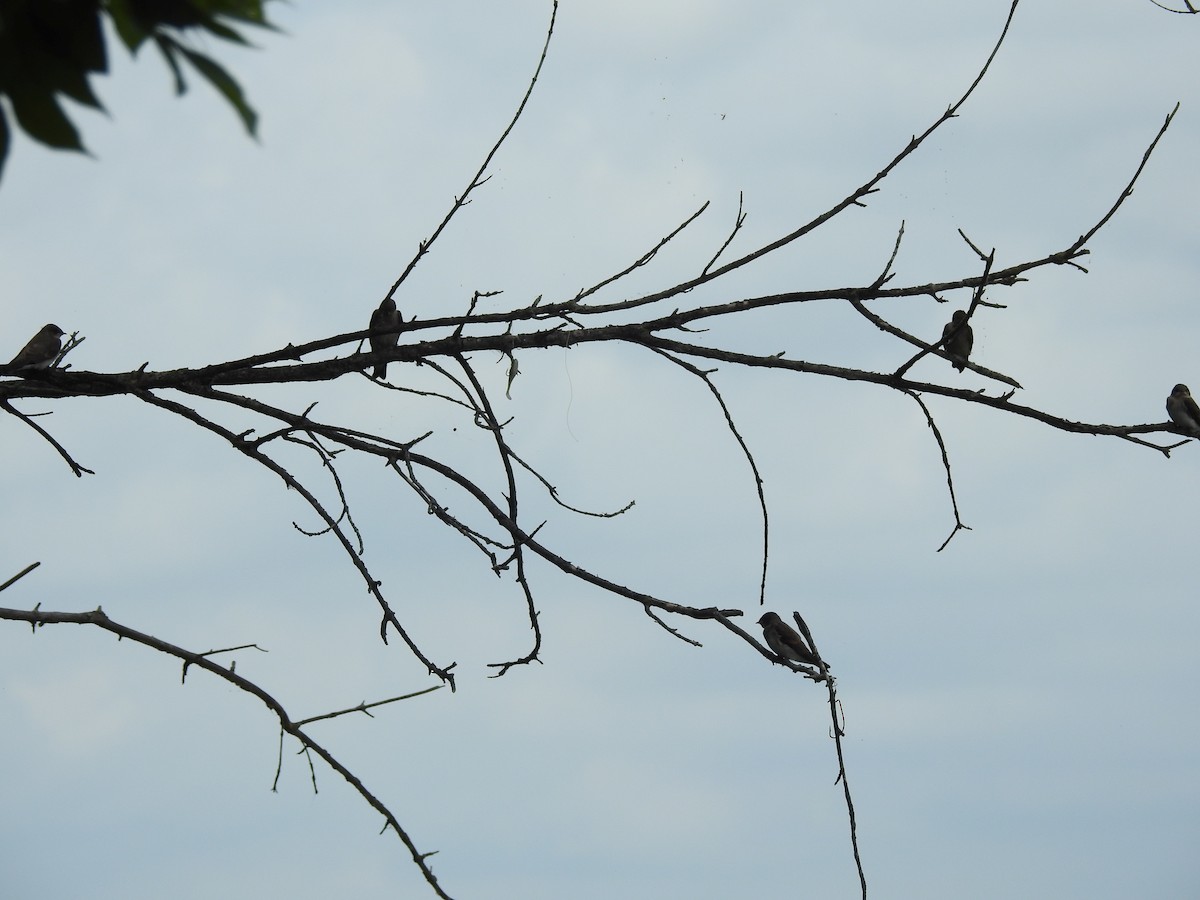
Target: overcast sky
{"points": [[1020, 708]]}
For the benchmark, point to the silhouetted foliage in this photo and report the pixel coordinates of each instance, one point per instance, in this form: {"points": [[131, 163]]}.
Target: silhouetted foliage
{"points": [[49, 49]]}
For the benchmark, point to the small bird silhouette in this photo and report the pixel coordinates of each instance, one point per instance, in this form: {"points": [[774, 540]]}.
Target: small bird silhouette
{"points": [[958, 339], [41, 350], [385, 319], [1183, 410], [786, 641]]}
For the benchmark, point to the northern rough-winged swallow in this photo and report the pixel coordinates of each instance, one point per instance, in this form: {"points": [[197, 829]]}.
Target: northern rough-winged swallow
{"points": [[1183, 410], [385, 319], [41, 350], [786, 641], [958, 339]]}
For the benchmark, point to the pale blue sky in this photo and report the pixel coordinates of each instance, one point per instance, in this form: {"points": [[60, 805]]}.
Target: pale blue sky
{"points": [[1020, 708]]}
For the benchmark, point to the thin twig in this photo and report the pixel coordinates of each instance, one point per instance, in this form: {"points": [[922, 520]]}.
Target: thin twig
{"points": [[937, 434], [25, 571], [253, 452], [1189, 11], [492, 423], [364, 707], [838, 733], [738, 221], [477, 179], [758, 480], [644, 258], [62, 451]]}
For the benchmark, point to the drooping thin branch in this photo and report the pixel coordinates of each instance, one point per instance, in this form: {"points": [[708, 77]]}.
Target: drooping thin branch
{"points": [[673, 631], [481, 541], [492, 423], [62, 451], [326, 458], [737, 435], [553, 492], [99, 619], [529, 541], [937, 435]]}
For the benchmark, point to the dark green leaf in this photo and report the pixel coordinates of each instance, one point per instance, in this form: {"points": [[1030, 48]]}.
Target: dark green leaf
{"points": [[224, 31], [243, 10], [223, 82], [39, 114], [74, 83], [168, 46], [154, 14], [73, 33], [129, 28]]}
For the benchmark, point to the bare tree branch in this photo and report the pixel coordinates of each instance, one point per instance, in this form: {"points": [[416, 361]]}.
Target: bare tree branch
{"points": [[758, 481], [1188, 8], [62, 451], [937, 435], [98, 618], [478, 179], [494, 522]]}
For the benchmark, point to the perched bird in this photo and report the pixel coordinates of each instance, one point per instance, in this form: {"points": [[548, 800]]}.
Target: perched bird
{"points": [[958, 339], [784, 640], [1183, 409], [41, 350], [385, 319]]}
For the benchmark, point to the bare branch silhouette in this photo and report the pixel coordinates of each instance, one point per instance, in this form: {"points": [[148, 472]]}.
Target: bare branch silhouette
{"points": [[485, 508], [1189, 9], [97, 618], [479, 179], [25, 571]]}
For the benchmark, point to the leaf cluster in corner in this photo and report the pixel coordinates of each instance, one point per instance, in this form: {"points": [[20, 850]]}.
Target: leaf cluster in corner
{"points": [[50, 48]]}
